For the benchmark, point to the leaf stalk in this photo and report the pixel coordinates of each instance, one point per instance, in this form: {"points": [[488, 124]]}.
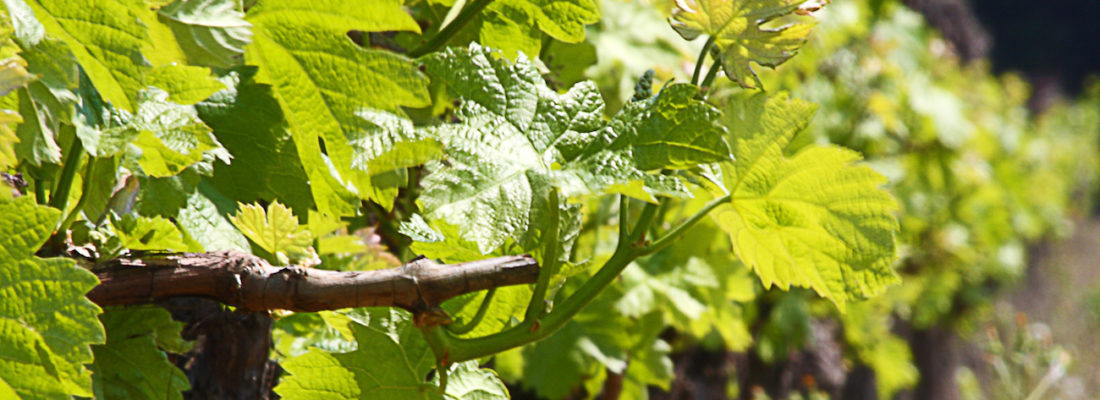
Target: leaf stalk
{"points": [[702, 58], [440, 39]]}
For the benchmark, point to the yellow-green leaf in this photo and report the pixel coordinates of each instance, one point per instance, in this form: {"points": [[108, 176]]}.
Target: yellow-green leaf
{"points": [[737, 27], [816, 219], [275, 231]]}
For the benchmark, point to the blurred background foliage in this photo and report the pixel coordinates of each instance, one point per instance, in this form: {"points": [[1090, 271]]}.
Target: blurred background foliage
{"points": [[990, 180]]}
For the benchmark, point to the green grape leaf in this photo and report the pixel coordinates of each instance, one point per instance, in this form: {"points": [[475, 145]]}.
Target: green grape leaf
{"points": [[171, 136], [867, 333], [650, 364], [12, 75], [276, 231], [37, 132], [200, 211], [53, 62], [598, 337], [8, 137], [813, 220], [249, 123], [48, 325], [185, 84], [212, 33], [103, 36], [388, 143], [391, 361], [298, 45], [131, 364], [144, 233], [736, 26], [204, 218], [102, 180], [673, 130], [568, 62], [513, 25], [517, 139], [468, 381]]}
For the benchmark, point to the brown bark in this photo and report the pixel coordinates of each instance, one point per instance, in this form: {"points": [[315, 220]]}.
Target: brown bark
{"points": [[936, 355], [250, 283], [230, 359]]}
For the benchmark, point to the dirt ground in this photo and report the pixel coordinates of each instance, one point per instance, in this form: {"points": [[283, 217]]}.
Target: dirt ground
{"points": [[1062, 290]]}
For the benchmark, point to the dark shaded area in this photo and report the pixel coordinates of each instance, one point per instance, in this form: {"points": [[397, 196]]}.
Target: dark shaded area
{"points": [[1051, 40], [231, 356], [958, 24]]}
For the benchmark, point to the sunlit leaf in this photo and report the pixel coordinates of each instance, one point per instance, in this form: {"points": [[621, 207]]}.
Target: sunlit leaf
{"points": [[739, 32], [276, 231], [46, 322], [323, 80], [816, 219], [210, 32]]}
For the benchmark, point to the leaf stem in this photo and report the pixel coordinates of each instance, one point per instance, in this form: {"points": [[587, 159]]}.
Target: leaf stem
{"points": [[478, 316], [713, 73], [532, 330], [59, 199], [84, 188], [537, 306], [465, 16], [40, 191], [679, 230], [644, 220], [702, 57], [624, 227]]}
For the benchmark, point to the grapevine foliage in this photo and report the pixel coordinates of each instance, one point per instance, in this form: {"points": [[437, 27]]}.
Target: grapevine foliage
{"points": [[343, 134]]}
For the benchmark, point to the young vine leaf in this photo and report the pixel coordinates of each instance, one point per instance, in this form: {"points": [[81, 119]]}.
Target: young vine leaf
{"points": [[518, 138], [514, 25], [12, 76], [812, 220], [101, 34], [210, 32], [391, 361], [276, 232], [47, 323], [736, 26], [131, 363]]}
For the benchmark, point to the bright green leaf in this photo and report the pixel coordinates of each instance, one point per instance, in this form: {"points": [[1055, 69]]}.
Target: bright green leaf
{"points": [[250, 124], [204, 218], [46, 323], [323, 80], [513, 25], [171, 136], [103, 36], [737, 26], [468, 381], [130, 365], [12, 75], [276, 231], [813, 220], [388, 142], [391, 362], [144, 233], [37, 134], [210, 32], [673, 130], [517, 139], [8, 138], [185, 84]]}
